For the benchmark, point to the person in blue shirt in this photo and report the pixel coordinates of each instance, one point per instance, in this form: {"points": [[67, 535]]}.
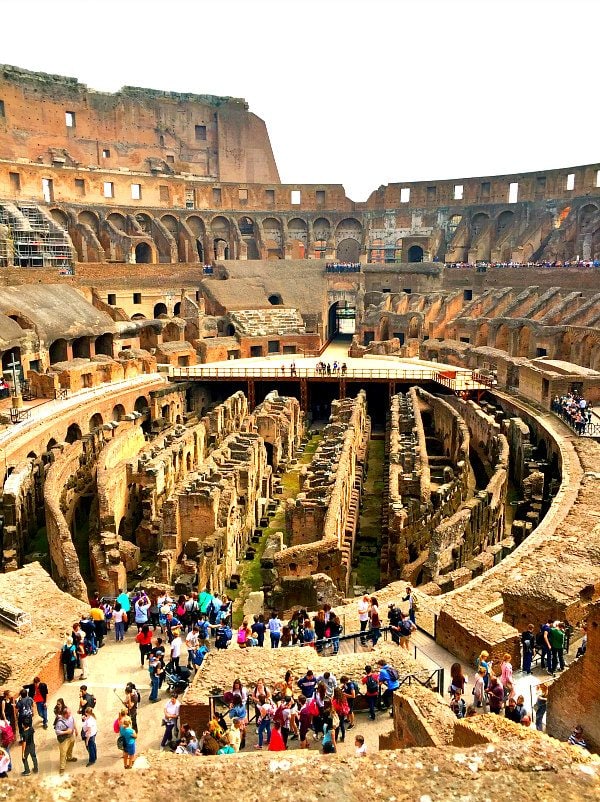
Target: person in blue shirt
{"points": [[307, 684], [388, 676], [123, 600]]}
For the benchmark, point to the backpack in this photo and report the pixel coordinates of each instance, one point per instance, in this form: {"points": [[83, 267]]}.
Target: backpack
{"points": [[7, 735], [394, 676], [203, 629], [353, 686], [372, 684], [91, 702]]}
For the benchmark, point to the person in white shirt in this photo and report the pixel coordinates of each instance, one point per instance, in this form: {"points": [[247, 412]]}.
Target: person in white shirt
{"points": [[275, 627], [176, 650], [361, 747], [89, 728], [363, 614], [170, 719]]}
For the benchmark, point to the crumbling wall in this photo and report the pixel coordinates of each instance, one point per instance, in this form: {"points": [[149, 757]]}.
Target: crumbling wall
{"points": [[21, 504], [321, 521], [71, 474]]}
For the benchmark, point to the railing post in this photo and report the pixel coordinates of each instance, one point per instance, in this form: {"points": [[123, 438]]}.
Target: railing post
{"points": [[441, 682]]}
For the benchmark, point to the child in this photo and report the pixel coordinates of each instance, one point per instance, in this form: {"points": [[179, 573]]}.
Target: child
{"points": [[361, 747]]}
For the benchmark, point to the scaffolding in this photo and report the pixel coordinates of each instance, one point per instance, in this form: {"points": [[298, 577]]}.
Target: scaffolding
{"points": [[33, 240]]}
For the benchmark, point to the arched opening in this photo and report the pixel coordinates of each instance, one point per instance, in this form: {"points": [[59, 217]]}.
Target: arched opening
{"points": [[164, 412], [159, 309], [482, 334], [51, 443], [89, 219], [586, 214], [221, 249], [275, 299], [104, 344], [58, 351], [118, 412], [25, 324], [478, 222], [177, 309], [502, 336], [73, 433], [246, 226], [229, 330], [60, 218], [415, 254], [118, 221], [341, 320], [188, 462], [138, 316], [348, 250], [298, 236], [143, 254], [96, 421], [141, 405], [81, 348], [144, 222], [453, 224], [504, 220]]}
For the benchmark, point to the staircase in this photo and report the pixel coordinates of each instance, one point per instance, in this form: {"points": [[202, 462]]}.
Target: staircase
{"points": [[33, 239]]}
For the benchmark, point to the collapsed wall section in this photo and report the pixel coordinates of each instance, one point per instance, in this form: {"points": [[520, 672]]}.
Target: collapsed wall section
{"points": [[321, 520]]}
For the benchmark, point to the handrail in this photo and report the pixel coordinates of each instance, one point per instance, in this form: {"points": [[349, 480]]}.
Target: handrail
{"points": [[208, 372]]}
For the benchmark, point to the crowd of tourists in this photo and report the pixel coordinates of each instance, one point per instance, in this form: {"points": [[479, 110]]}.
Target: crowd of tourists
{"points": [[574, 410], [579, 263], [334, 368], [342, 267], [316, 707]]}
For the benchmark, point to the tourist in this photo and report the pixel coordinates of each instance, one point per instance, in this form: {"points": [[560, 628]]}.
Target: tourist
{"points": [[406, 627], [319, 624], [329, 681], [89, 730], [582, 648], [28, 747], [576, 737], [124, 601], [388, 676], [223, 635], [360, 746], [520, 706], [335, 630], [85, 700], [308, 683], [237, 689], [513, 712], [342, 709], [131, 701], [65, 731], [119, 617], [457, 679], [275, 626], [144, 642], [375, 622], [557, 638], [265, 714], [540, 706], [258, 630], [495, 695], [171, 715], [24, 705], [528, 644], [305, 720], [371, 682], [140, 611], [479, 689], [394, 619], [276, 742], [328, 726], [5, 764], [483, 661], [155, 670], [69, 659], [545, 646], [350, 689], [458, 705], [99, 623], [308, 634], [506, 674], [235, 734], [128, 734], [38, 690], [176, 644], [8, 710], [412, 604]]}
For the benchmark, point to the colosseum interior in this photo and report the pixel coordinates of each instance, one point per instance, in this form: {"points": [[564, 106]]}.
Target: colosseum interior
{"points": [[216, 380]]}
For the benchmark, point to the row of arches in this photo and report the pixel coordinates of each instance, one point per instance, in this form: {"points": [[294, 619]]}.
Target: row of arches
{"points": [[62, 350]]}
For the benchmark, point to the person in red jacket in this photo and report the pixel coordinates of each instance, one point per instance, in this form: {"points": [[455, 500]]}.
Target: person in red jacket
{"points": [[276, 743]]}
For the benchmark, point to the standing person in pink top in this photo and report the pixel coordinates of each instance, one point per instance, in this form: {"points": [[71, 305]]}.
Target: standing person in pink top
{"points": [[506, 673]]}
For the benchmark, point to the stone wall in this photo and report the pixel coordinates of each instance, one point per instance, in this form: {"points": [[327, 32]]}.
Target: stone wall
{"points": [[574, 695], [68, 477], [478, 524], [321, 520]]}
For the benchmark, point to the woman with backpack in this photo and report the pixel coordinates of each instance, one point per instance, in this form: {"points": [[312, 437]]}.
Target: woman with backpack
{"points": [[69, 659], [371, 683]]}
